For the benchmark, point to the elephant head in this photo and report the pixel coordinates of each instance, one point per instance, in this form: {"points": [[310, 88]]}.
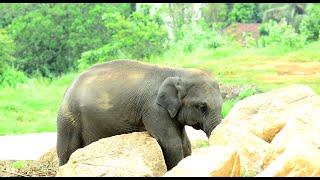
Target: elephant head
{"points": [[194, 100]]}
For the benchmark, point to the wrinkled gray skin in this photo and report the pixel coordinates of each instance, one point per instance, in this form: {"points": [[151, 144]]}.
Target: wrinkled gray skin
{"points": [[124, 96]]}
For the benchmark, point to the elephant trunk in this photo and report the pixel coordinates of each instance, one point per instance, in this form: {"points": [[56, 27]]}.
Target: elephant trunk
{"points": [[210, 127]]}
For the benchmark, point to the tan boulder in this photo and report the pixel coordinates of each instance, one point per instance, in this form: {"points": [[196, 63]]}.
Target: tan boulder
{"points": [[300, 159], [294, 128], [265, 114], [135, 154], [251, 148], [307, 110], [213, 161]]}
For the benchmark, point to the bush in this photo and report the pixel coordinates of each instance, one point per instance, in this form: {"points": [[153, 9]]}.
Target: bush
{"points": [[7, 49], [243, 12], [249, 40], [310, 26], [12, 77], [140, 36], [196, 36], [281, 35]]}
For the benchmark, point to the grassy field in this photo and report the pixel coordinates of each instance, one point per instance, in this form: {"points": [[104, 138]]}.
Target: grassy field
{"points": [[33, 107]]}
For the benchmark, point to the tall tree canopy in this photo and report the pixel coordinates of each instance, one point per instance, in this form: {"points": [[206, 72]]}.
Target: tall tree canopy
{"points": [[51, 38]]}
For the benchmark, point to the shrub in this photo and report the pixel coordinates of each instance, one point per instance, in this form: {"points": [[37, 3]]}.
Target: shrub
{"points": [[249, 40], [310, 26], [140, 36], [196, 36], [12, 77], [281, 35]]}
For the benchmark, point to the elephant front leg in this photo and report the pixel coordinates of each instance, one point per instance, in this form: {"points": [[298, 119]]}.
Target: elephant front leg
{"points": [[168, 134], [172, 150], [186, 145]]}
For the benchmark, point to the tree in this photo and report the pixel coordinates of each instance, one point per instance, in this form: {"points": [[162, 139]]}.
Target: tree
{"points": [[243, 12], [132, 7], [180, 13], [310, 26], [215, 13], [293, 12], [9, 76], [7, 48], [140, 36], [50, 39], [9, 11]]}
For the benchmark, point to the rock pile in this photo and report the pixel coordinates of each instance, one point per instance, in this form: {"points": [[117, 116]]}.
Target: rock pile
{"points": [[276, 134]]}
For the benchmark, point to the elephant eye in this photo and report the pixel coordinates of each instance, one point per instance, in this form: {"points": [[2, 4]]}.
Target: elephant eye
{"points": [[202, 107]]}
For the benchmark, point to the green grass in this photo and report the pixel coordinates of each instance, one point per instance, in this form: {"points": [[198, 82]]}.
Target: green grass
{"points": [[233, 65], [199, 144], [246, 173], [226, 107], [20, 164], [33, 107]]}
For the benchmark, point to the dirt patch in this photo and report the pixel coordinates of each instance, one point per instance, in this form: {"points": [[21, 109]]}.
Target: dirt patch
{"points": [[298, 68], [45, 166], [286, 71]]}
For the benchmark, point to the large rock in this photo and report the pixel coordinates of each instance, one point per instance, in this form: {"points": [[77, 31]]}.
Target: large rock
{"points": [[293, 129], [300, 158], [307, 110], [208, 162], [251, 148], [135, 154], [265, 114]]}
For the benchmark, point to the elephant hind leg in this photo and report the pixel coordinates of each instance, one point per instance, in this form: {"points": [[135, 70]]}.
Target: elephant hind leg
{"points": [[66, 145], [69, 138]]}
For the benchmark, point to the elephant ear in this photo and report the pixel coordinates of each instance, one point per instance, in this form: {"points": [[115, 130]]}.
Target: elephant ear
{"points": [[168, 95]]}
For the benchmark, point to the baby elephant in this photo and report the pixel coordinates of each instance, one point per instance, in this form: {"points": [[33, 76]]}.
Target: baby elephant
{"points": [[124, 96]]}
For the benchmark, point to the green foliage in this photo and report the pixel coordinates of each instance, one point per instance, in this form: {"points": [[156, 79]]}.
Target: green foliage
{"points": [[281, 35], [9, 11], [243, 12], [249, 40], [249, 91], [228, 105], [263, 30], [180, 13], [142, 31], [33, 107], [292, 12], [12, 77], [7, 48], [20, 164], [200, 144], [51, 38], [140, 37], [246, 173], [310, 26], [196, 36], [215, 14]]}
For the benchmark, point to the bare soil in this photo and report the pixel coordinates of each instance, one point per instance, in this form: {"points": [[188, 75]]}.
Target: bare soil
{"points": [[45, 166]]}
